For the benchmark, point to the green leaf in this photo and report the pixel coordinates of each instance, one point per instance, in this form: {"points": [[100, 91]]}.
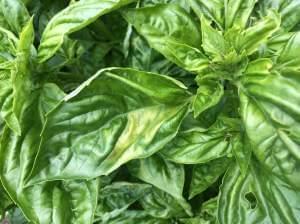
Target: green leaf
{"points": [[114, 117], [75, 17], [209, 94], [8, 47], [288, 58], [237, 12], [275, 44], [164, 175], [242, 151], [130, 217], [204, 175], [160, 204], [21, 76], [259, 197], [270, 107], [51, 202], [288, 9], [5, 201], [251, 38], [15, 14], [212, 10], [198, 145], [207, 215], [213, 41], [171, 31], [117, 197]]}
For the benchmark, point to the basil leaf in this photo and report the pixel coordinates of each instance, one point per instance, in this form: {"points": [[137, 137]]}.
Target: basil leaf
{"points": [[170, 30], [204, 175], [237, 12], [212, 10], [51, 202], [209, 94], [15, 14], [251, 38], [116, 116], [289, 11], [288, 55], [73, 18], [213, 42], [259, 197], [129, 217], [160, 204], [164, 175], [117, 197], [198, 145], [270, 106]]}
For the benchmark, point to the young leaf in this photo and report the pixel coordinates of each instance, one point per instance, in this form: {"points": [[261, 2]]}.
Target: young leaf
{"points": [[213, 41], [209, 94], [251, 38]]}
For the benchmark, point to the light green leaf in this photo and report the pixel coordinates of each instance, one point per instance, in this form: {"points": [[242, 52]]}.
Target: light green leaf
{"points": [[237, 12], [204, 175], [21, 76], [259, 197], [270, 107], [198, 145], [288, 58], [114, 117], [8, 47], [170, 30], [15, 14], [275, 44], [251, 38], [209, 94], [75, 17], [213, 41]]}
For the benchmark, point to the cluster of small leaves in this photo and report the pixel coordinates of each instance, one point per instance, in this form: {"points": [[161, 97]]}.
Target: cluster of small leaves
{"points": [[150, 111]]}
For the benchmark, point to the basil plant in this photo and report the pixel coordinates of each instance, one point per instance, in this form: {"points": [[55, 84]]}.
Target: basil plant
{"points": [[150, 111]]}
